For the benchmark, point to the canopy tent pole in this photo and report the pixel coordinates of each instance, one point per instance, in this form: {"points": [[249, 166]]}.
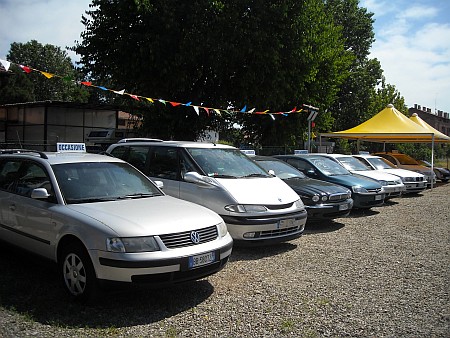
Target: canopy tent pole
{"points": [[432, 159]]}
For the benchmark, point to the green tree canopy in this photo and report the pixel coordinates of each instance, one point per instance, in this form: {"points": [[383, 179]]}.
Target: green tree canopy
{"points": [[20, 87], [272, 55]]}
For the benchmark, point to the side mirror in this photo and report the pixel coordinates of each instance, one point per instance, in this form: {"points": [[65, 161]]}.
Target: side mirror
{"points": [[159, 184], [310, 172], [196, 178], [40, 193], [271, 172]]}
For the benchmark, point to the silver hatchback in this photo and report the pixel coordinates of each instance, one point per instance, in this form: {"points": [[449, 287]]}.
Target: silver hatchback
{"points": [[102, 220]]}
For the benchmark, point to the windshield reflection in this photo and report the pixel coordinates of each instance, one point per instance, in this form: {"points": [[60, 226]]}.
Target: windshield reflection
{"points": [[226, 163]]}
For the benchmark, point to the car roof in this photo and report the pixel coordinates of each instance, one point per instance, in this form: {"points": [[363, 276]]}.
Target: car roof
{"points": [[181, 144], [58, 157]]}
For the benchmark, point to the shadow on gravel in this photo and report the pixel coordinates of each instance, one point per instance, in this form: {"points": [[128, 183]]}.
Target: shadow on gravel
{"points": [[322, 226], [242, 253], [357, 213], [29, 286]]}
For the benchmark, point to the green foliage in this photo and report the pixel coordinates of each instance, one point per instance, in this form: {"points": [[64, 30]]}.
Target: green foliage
{"points": [[34, 86], [266, 54]]}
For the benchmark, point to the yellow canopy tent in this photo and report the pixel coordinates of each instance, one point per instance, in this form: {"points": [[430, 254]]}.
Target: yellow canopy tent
{"points": [[391, 126], [442, 137]]}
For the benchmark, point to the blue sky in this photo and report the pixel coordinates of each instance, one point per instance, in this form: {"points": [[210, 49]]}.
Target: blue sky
{"points": [[412, 39]]}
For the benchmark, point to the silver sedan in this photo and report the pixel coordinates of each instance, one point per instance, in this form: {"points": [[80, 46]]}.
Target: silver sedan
{"points": [[102, 220]]}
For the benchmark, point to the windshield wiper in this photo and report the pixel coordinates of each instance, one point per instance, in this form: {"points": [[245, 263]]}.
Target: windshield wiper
{"points": [[138, 195], [223, 176], [255, 175]]}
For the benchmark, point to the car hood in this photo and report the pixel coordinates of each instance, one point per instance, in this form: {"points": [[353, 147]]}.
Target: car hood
{"points": [[376, 175], [151, 215], [417, 168], [353, 180], [403, 172], [311, 186], [256, 190]]}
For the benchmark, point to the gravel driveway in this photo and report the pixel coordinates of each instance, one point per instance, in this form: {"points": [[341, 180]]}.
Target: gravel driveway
{"points": [[382, 272]]}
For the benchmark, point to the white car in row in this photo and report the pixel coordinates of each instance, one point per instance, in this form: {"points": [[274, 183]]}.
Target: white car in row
{"points": [[392, 185], [414, 181]]}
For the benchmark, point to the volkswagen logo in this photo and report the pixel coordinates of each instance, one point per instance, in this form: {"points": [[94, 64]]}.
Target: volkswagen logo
{"points": [[195, 237]]}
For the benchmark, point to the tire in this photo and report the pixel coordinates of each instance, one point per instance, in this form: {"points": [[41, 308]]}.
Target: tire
{"points": [[77, 273]]}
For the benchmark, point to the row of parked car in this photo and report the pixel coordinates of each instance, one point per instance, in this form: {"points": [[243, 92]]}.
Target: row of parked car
{"points": [[162, 212]]}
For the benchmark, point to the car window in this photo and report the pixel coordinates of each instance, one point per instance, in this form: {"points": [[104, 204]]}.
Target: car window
{"points": [[381, 163], [164, 163], [327, 166], [281, 169], [85, 182], [405, 159], [21, 177], [137, 156], [351, 163], [389, 158], [226, 162], [299, 164]]}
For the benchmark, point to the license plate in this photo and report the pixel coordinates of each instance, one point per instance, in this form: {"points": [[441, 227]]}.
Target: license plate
{"points": [[378, 197], [343, 207], [286, 223], [203, 259]]}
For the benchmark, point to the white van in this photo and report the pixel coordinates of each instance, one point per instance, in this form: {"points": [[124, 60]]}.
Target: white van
{"points": [[258, 208]]}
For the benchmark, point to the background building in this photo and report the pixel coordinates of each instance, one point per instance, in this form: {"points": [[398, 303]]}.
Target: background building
{"points": [[40, 125]]}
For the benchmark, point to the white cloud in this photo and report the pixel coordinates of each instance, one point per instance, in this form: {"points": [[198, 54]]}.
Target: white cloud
{"points": [[413, 46], [56, 22]]}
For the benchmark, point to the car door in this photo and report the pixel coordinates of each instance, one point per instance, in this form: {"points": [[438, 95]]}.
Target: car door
{"points": [[28, 222], [164, 166]]}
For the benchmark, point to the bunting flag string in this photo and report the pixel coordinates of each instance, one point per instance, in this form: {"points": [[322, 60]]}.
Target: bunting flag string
{"points": [[6, 64]]}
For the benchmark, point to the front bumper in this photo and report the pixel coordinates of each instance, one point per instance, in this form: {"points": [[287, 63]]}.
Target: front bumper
{"points": [[162, 267], [364, 201], [265, 230], [329, 210]]}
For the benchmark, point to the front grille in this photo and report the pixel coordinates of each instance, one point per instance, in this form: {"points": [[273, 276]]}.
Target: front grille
{"points": [[374, 190], [278, 207], [278, 232], [338, 197], [183, 239]]}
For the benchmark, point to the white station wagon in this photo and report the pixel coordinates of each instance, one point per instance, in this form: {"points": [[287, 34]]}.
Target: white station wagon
{"points": [[102, 220]]}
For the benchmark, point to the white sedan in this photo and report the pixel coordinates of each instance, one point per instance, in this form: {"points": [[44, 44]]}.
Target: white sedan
{"points": [[414, 182]]}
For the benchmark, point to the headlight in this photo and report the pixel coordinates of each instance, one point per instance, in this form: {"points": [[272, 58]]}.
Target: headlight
{"points": [[241, 208], [383, 183], [315, 198], [299, 204], [222, 229], [359, 190], [131, 244], [324, 198]]}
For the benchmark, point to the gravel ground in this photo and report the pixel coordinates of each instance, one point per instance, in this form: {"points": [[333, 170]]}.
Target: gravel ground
{"points": [[382, 272]]}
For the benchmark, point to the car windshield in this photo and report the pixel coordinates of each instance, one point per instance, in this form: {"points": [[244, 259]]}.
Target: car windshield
{"points": [[328, 166], [281, 169], [381, 163], [226, 163], [85, 182], [352, 164], [405, 159]]}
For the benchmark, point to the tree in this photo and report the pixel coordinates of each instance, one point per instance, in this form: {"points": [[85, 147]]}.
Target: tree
{"points": [[354, 103], [266, 54], [34, 86]]}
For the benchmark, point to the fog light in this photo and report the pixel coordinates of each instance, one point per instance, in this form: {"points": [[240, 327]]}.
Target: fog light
{"points": [[249, 235]]}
